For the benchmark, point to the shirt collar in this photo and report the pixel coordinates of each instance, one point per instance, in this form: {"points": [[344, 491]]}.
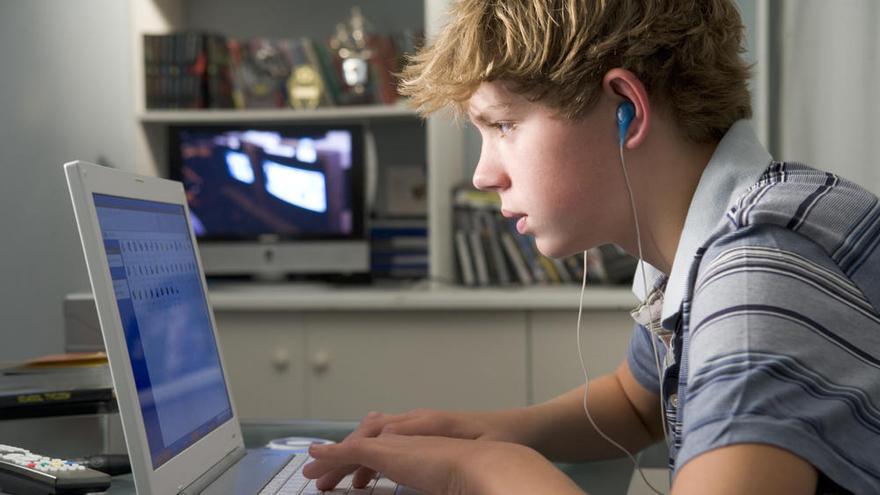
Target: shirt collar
{"points": [[737, 163]]}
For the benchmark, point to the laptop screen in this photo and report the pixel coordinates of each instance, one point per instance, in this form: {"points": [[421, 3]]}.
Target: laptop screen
{"points": [[165, 316]]}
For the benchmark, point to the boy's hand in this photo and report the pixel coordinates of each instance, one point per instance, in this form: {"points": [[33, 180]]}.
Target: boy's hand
{"points": [[422, 422], [439, 465]]}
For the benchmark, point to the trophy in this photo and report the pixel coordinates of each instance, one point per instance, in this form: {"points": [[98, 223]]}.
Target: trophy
{"points": [[350, 45], [305, 85]]}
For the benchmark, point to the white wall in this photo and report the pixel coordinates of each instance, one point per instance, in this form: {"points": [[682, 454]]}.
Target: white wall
{"points": [[828, 99], [64, 94]]}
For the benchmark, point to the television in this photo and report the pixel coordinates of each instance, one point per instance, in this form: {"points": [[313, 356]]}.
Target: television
{"points": [[272, 201]]}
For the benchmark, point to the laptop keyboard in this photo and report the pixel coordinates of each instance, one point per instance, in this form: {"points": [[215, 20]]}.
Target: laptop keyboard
{"points": [[290, 481]]}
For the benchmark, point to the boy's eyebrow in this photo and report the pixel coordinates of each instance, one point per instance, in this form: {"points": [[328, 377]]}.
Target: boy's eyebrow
{"points": [[481, 115]]}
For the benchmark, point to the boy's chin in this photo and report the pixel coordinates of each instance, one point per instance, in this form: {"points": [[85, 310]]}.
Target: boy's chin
{"points": [[552, 249]]}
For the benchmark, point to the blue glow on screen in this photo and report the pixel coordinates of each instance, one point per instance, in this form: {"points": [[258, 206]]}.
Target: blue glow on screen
{"points": [[166, 320], [306, 151], [240, 167], [297, 186]]}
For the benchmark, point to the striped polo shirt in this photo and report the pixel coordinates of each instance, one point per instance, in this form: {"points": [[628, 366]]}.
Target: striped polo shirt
{"points": [[768, 329]]}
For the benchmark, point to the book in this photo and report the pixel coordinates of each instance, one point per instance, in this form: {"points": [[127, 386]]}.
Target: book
{"points": [[529, 252], [383, 65], [492, 241], [562, 270], [467, 203], [516, 259], [548, 266], [324, 56], [575, 266], [481, 265], [463, 255], [218, 75], [187, 70]]}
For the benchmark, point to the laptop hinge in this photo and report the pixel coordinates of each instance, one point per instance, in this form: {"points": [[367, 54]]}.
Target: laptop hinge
{"points": [[214, 472]]}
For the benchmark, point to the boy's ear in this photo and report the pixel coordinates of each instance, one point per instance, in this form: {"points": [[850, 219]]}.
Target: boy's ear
{"points": [[619, 85]]}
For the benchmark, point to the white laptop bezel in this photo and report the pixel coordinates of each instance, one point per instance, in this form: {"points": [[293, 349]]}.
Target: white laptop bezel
{"points": [[85, 179]]}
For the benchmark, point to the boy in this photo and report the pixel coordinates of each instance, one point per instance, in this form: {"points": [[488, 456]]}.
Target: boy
{"points": [[759, 339]]}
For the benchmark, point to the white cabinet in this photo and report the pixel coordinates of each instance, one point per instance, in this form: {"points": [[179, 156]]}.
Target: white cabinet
{"points": [[553, 360], [264, 357], [343, 364], [338, 355], [396, 361]]}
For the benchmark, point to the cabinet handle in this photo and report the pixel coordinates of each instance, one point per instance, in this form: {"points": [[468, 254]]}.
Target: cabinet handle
{"points": [[321, 362], [281, 359]]}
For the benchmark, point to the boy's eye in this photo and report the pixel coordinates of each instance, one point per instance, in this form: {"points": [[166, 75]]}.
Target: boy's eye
{"points": [[503, 127]]}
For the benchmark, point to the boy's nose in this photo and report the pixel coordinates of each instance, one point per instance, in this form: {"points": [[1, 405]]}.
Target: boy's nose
{"points": [[489, 175]]}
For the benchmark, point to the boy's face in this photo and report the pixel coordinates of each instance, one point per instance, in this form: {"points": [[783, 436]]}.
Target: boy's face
{"points": [[560, 178]]}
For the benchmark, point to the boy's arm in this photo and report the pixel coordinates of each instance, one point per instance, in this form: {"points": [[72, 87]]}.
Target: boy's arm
{"points": [[746, 469], [620, 406]]}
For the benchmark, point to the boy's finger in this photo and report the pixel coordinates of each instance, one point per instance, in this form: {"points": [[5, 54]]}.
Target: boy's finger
{"points": [[362, 477], [318, 468], [329, 480]]}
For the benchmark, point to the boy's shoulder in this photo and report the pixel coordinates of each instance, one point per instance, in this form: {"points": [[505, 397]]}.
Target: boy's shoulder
{"points": [[817, 204], [800, 212]]}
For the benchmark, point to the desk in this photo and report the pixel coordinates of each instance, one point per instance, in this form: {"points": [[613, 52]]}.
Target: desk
{"points": [[596, 478]]}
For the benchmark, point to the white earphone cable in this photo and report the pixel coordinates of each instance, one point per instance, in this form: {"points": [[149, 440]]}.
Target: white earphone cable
{"points": [[653, 342], [646, 293], [587, 389]]}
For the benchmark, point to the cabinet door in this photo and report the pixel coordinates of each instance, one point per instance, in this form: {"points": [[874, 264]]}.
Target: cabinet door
{"points": [[396, 361], [264, 357], [554, 359]]}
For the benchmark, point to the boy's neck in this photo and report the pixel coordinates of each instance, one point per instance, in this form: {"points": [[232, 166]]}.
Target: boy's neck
{"points": [[670, 168]]}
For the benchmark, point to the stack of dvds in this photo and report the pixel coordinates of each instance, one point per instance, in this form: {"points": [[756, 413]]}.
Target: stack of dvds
{"points": [[399, 248], [490, 252]]}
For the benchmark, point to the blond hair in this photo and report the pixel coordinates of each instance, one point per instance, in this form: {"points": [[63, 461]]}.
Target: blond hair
{"points": [[687, 53]]}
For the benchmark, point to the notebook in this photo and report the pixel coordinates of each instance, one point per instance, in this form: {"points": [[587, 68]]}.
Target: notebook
{"points": [[181, 428]]}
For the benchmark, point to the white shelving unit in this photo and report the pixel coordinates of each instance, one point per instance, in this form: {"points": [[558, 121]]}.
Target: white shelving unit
{"points": [[309, 298], [216, 116], [443, 154]]}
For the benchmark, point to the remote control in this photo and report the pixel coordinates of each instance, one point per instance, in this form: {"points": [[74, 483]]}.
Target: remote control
{"points": [[25, 473]]}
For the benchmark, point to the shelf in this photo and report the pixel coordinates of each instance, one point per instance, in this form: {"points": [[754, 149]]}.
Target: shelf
{"points": [[224, 116], [302, 297]]}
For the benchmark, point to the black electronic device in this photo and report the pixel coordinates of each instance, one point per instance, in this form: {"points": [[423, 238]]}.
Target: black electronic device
{"points": [[112, 464], [24, 473], [274, 200]]}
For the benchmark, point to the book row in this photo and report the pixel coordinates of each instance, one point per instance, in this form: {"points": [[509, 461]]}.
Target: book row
{"points": [[192, 70], [490, 252]]}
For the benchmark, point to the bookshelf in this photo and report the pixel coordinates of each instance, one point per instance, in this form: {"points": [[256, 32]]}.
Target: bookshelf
{"points": [[398, 133], [395, 133]]}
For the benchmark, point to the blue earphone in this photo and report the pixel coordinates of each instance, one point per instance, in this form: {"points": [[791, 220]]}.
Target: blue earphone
{"points": [[625, 113]]}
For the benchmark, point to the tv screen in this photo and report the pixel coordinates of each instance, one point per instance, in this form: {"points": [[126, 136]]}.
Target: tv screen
{"points": [[284, 182]]}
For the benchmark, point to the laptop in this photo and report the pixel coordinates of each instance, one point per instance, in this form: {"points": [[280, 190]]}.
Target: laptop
{"points": [[181, 427]]}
